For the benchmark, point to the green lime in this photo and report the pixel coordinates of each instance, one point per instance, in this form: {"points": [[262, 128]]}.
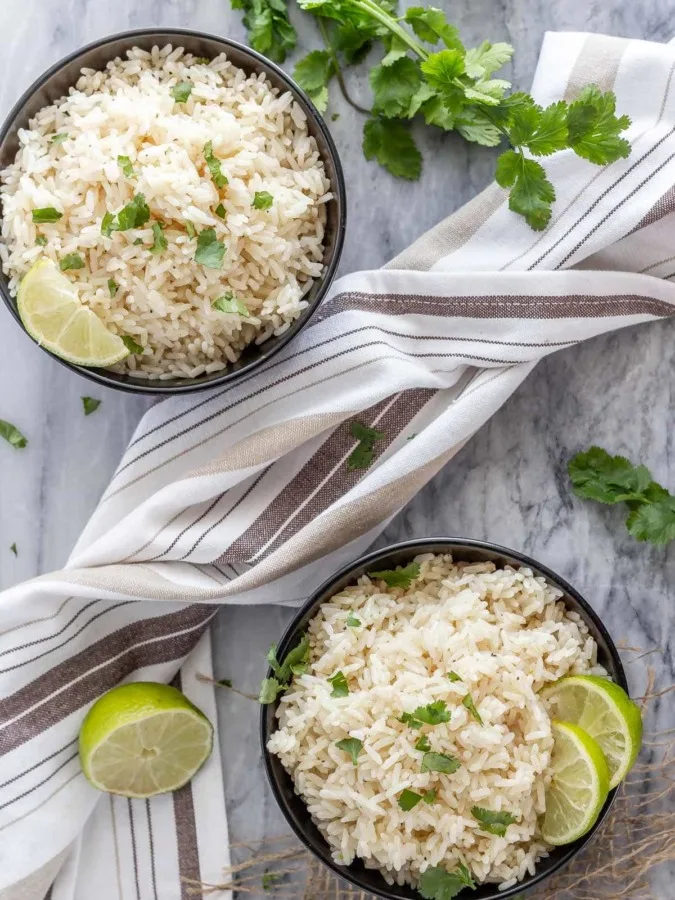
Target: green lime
{"points": [[142, 739], [579, 786], [53, 314], [606, 712]]}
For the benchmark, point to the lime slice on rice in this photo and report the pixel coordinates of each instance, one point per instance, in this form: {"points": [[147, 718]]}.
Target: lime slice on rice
{"points": [[143, 739], [579, 786], [606, 712], [54, 316]]}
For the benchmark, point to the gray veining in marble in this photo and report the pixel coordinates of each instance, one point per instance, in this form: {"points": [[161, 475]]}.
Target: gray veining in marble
{"points": [[508, 485]]}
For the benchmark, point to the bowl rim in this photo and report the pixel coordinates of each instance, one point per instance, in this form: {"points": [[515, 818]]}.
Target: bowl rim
{"points": [[308, 610], [339, 190]]}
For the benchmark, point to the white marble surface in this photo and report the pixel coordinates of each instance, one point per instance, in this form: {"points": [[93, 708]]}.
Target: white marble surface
{"points": [[508, 485]]}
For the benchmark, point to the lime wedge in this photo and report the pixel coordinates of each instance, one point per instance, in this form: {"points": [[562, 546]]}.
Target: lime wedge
{"points": [[143, 739], [606, 712], [53, 315], [579, 786]]}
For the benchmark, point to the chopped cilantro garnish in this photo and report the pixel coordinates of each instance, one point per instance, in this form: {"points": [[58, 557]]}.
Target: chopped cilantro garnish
{"points": [[439, 762], [58, 138], [429, 797], [90, 405], [352, 621], [45, 215], [41, 240], [108, 224], [113, 287], [470, 705], [181, 91], [408, 800], [363, 454], [190, 228], [159, 243], [492, 822], [295, 663], [214, 165], [453, 676], [221, 212], [352, 746], [270, 690], [210, 251], [431, 714], [138, 242], [134, 215], [340, 686], [438, 884], [423, 744], [228, 303], [262, 200], [71, 261], [402, 578], [125, 165], [131, 345], [12, 434]]}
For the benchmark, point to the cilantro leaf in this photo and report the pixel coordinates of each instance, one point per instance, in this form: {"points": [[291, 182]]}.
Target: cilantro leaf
{"points": [[531, 192], [270, 690], [408, 800], [608, 479], [654, 521], [393, 146], [12, 434], [433, 713], [594, 128], [492, 822], [214, 166], [423, 744], [487, 92], [299, 655], [134, 215], [438, 884], [352, 746], [429, 797], [113, 287], [352, 621], [550, 134], [41, 240], [431, 25], [474, 126], [471, 706], [210, 251], [313, 74], [228, 303], [108, 224], [443, 71], [339, 683], [269, 29], [132, 345], [45, 215], [58, 138], [71, 261], [220, 211], [439, 762], [453, 676], [394, 86], [14, 550], [362, 456], [482, 61], [190, 228], [181, 91], [159, 243], [90, 405], [262, 200], [125, 165], [409, 719], [401, 577]]}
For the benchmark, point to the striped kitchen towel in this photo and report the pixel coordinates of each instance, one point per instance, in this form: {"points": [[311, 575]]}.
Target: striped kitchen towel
{"points": [[244, 495]]}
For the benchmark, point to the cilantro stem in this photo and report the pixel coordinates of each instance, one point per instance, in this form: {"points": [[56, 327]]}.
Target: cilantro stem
{"points": [[368, 6], [338, 69]]}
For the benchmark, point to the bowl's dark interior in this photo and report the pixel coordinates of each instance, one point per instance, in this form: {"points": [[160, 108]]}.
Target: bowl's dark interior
{"points": [[55, 84], [293, 807]]}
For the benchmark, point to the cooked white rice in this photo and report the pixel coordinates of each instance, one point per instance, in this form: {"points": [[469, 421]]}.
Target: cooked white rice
{"points": [[164, 301], [506, 634]]}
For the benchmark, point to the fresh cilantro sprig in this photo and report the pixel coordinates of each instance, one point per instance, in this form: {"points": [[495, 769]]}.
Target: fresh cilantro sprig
{"points": [[492, 822], [296, 662], [426, 72], [596, 475], [439, 884], [431, 714]]}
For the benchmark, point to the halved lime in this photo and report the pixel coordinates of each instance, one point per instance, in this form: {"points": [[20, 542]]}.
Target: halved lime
{"points": [[143, 739], [579, 786], [53, 314], [606, 712]]}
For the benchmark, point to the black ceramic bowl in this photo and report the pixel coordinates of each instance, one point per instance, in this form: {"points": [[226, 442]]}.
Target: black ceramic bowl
{"points": [[55, 83], [370, 880]]}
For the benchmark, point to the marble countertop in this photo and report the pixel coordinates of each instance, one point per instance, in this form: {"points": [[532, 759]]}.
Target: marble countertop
{"points": [[508, 485]]}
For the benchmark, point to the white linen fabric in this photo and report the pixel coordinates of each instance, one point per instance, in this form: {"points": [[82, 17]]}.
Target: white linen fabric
{"points": [[243, 495]]}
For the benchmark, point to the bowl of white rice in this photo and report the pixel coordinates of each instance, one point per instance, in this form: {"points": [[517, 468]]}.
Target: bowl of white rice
{"points": [[468, 626], [189, 191]]}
